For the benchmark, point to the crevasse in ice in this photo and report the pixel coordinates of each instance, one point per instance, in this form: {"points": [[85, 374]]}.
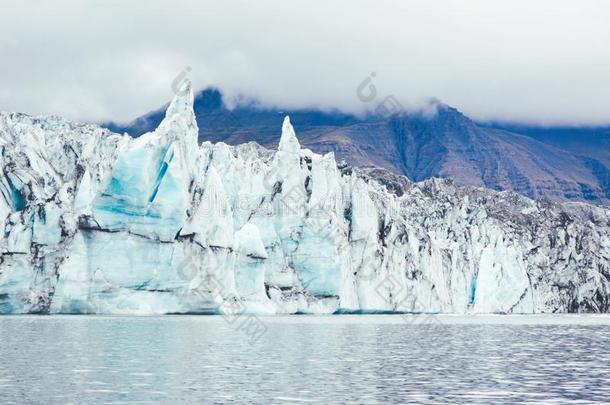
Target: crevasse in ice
{"points": [[96, 222]]}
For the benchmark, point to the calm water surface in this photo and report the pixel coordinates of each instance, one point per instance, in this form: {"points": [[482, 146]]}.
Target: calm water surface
{"points": [[340, 359]]}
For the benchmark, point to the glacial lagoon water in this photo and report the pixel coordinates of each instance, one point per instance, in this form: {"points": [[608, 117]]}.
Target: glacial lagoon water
{"points": [[318, 359]]}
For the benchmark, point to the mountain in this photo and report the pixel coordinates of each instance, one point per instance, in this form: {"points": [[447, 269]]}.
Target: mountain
{"points": [[97, 222], [587, 141], [446, 144]]}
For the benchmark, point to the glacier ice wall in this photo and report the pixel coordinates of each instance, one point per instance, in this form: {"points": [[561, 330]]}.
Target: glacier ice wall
{"points": [[96, 222]]}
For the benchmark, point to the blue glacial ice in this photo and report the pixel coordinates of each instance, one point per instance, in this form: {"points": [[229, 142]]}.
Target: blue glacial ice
{"points": [[97, 222]]}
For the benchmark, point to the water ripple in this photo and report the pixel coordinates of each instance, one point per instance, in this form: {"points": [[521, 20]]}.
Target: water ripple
{"points": [[123, 360]]}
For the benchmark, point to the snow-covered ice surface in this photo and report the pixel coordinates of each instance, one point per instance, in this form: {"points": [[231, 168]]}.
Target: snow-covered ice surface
{"points": [[96, 222]]}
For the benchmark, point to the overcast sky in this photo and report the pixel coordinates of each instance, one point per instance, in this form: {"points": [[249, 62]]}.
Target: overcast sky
{"points": [[544, 61]]}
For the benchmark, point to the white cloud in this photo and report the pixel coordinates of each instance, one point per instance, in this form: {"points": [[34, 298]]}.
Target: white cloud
{"points": [[545, 61]]}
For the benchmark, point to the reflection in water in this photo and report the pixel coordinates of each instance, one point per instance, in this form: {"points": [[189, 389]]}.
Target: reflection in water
{"points": [[97, 360]]}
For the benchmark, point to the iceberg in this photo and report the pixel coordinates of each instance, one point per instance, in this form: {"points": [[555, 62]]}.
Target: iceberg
{"points": [[98, 222]]}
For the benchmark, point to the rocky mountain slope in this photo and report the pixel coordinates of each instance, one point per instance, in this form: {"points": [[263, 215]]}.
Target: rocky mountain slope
{"points": [[567, 166], [96, 222], [588, 141]]}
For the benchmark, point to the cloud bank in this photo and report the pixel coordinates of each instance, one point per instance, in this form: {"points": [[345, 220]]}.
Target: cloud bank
{"points": [[545, 61]]}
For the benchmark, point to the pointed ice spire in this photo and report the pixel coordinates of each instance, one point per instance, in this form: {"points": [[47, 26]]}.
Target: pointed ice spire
{"points": [[182, 102], [286, 166], [180, 112], [213, 218], [288, 142]]}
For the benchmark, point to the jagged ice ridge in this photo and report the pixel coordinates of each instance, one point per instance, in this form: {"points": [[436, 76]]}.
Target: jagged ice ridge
{"points": [[96, 222]]}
